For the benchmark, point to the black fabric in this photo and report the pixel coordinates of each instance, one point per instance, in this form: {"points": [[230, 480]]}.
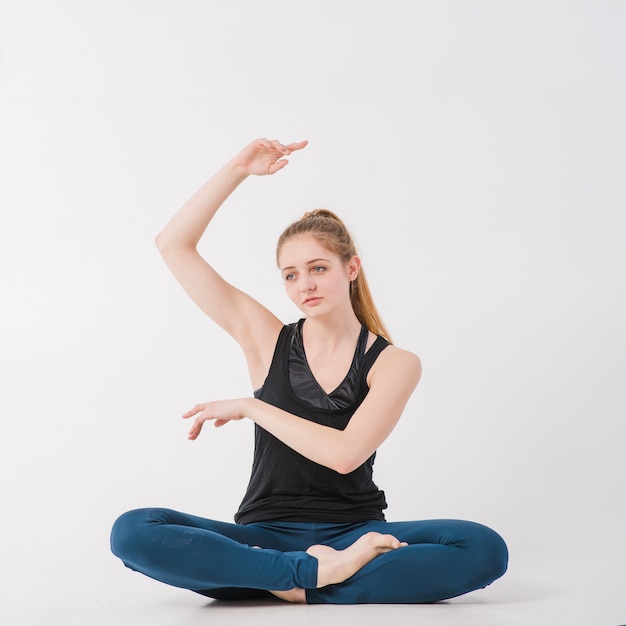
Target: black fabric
{"points": [[307, 388], [286, 486]]}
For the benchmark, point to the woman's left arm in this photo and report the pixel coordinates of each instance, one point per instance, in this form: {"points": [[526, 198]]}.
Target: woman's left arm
{"points": [[392, 379]]}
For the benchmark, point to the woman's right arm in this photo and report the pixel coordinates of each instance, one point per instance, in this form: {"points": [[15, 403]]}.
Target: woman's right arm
{"points": [[253, 326]]}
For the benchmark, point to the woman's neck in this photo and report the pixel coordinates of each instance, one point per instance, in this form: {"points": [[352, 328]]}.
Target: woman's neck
{"points": [[327, 334]]}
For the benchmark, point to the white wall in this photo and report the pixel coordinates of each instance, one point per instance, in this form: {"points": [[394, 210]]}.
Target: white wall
{"points": [[476, 150]]}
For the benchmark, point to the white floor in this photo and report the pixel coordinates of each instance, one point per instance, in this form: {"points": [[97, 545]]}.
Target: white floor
{"points": [[587, 590]]}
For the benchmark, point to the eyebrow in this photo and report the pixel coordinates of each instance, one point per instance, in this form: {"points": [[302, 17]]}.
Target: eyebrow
{"points": [[293, 267]]}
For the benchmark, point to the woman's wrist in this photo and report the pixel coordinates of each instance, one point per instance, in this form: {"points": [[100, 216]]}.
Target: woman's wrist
{"points": [[237, 171], [247, 407]]}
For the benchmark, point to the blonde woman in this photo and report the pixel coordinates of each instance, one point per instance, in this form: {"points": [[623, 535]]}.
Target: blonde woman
{"points": [[330, 388]]}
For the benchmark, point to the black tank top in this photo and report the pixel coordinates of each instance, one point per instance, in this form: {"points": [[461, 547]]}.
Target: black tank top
{"points": [[286, 486]]}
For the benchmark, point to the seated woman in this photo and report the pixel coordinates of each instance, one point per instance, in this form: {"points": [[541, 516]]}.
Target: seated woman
{"points": [[330, 388]]}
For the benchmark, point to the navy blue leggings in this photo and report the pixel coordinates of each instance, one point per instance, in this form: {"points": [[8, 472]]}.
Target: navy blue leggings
{"points": [[444, 558]]}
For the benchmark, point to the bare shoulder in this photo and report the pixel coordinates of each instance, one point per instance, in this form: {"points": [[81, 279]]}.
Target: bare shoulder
{"points": [[394, 363]]}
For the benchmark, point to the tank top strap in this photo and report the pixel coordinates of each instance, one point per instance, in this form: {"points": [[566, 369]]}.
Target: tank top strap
{"points": [[361, 344], [372, 354]]}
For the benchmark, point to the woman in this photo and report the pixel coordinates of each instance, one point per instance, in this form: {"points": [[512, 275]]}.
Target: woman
{"points": [[330, 389]]}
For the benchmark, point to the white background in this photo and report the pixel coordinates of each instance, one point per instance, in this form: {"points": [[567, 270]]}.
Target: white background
{"points": [[476, 150]]}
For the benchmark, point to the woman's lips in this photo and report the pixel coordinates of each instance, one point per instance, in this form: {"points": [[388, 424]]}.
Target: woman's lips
{"points": [[312, 301]]}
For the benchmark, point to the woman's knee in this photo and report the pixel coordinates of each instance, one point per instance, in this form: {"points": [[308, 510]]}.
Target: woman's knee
{"points": [[496, 553], [128, 529]]}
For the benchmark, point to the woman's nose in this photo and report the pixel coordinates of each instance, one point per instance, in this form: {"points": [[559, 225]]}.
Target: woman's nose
{"points": [[307, 283]]}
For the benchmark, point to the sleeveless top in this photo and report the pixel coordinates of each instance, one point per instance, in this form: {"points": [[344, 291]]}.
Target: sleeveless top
{"points": [[286, 486]]}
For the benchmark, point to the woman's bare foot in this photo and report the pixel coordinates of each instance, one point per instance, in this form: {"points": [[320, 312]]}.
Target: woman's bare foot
{"points": [[335, 566]]}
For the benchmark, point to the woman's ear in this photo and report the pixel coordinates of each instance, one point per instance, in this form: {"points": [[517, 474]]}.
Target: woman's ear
{"points": [[353, 266]]}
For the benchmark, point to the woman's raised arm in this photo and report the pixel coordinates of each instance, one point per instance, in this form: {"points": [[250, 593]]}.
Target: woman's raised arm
{"points": [[253, 327]]}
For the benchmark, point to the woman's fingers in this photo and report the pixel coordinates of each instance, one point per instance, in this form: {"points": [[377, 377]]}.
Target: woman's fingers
{"points": [[204, 412], [196, 427], [278, 165], [194, 431], [285, 151], [298, 145], [279, 147], [196, 409], [264, 156]]}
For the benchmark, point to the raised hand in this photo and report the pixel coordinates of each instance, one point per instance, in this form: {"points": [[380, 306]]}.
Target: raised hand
{"points": [[264, 156]]}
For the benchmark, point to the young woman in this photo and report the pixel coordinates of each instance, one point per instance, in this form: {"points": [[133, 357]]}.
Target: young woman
{"points": [[329, 390]]}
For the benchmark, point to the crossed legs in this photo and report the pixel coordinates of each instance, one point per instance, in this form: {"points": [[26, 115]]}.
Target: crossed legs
{"points": [[319, 563]]}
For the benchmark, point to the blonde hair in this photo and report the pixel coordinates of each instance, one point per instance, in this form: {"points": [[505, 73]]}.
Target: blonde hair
{"points": [[332, 233]]}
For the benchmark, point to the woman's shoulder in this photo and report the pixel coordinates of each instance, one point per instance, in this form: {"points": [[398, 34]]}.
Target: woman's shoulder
{"points": [[394, 362]]}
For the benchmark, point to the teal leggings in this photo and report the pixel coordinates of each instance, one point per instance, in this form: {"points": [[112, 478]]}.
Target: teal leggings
{"points": [[444, 558]]}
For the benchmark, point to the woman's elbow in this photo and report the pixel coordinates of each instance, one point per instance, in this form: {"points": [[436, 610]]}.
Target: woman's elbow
{"points": [[167, 245], [160, 242], [345, 464], [163, 243]]}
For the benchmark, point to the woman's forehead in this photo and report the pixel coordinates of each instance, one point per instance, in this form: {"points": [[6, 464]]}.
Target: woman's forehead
{"points": [[303, 248]]}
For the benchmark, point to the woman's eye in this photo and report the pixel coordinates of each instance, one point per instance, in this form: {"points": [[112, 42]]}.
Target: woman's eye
{"points": [[288, 276], [318, 269]]}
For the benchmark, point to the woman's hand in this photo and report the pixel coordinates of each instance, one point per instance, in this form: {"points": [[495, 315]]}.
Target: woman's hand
{"points": [[264, 157], [221, 412]]}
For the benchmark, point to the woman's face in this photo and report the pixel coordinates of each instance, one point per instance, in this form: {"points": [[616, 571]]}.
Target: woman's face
{"points": [[316, 280]]}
